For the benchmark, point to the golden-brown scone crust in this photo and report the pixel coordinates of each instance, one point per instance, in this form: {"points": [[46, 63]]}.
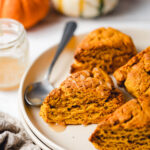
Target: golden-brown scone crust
{"points": [[105, 48], [84, 97], [126, 129], [133, 114], [135, 75]]}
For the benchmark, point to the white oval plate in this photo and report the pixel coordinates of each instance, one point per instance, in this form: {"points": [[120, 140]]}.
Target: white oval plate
{"points": [[74, 137]]}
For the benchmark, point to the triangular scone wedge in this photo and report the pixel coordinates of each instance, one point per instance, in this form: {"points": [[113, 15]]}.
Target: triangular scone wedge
{"points": [[83, 98], [128, 128], [105, 48], [135, 74]]}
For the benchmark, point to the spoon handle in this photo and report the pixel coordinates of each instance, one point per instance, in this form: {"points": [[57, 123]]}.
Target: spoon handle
{"points": [[67, 34]]}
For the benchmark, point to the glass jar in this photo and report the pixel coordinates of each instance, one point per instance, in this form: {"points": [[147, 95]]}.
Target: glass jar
{"points": [[13, 53]]}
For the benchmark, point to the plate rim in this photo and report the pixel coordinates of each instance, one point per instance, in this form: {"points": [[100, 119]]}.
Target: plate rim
{"points": [[21, 104], [20, 100], [34, 138]]}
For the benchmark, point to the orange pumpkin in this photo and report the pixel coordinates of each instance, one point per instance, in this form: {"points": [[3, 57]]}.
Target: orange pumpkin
{"points": [[28, 12]]}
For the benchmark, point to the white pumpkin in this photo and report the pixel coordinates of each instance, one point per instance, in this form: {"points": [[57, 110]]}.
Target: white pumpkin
{"points": [[84, 8]]}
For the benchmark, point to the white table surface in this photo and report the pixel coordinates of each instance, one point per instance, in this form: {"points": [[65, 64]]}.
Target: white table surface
{"points": [[49, 31]]}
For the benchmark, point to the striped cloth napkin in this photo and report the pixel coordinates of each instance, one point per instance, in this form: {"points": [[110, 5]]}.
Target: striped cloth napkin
{"points": [[13, 136]]}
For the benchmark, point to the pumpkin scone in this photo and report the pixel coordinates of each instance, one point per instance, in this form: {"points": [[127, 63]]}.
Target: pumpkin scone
{"points": [[105, 48], [135, 75], [84, 97], [128, 128]]}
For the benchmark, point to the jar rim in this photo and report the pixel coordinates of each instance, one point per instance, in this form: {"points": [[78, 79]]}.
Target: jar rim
{"points": [[20, 29]]}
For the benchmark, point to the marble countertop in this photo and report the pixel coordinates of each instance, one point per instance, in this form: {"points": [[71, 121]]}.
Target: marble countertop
{"points": [[48, 32]]}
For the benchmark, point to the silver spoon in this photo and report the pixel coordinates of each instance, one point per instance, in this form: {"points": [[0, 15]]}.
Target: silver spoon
{"points": [[36, 92]]}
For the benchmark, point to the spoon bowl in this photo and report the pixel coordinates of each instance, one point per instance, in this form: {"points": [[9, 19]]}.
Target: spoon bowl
{"points": [[35, 93]]}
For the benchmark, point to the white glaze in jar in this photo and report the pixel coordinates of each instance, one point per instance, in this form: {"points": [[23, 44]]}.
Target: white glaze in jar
{"points": [[13, 53]]}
